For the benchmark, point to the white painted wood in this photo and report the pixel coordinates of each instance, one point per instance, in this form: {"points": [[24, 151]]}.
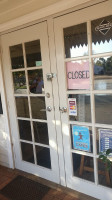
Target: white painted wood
{"points": [[55, 83], [88, 14], [6, 155], [38, 31], [45, 12]]}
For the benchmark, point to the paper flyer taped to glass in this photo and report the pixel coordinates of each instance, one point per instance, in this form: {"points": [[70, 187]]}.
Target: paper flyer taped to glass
{"points": [[105, 140], [81, 138], [72, 106]]}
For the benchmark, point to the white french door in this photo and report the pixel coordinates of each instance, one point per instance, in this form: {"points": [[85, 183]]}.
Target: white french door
{"points": [[83, 42], [30, 102], [84, 61]]}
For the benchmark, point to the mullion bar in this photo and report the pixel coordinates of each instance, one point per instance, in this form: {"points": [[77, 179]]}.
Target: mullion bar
{"points": [[92, 103], [87, 57], [29, 103]]}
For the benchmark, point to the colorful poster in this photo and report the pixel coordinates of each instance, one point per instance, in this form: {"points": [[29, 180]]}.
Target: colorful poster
{"points": [[72, 106], [81, 138], [78, 75], [105, 140]]}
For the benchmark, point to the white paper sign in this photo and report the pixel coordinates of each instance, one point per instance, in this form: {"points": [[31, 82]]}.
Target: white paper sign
{"points": [[72, 106]]}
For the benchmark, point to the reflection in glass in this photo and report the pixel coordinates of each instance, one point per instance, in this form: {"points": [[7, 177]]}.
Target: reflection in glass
{"points": [[41, 133], [75, 40], [81, 137], [104, 175], [43, 157], [103, 73], [103, 108], [19, 81], [16, 54], [25, 130], [83, 167], [22, 107], [101, 35], [27, 152], [38, 107], [36, 84], [78, 75], [83, 107], [33, 53], [1, 109]]}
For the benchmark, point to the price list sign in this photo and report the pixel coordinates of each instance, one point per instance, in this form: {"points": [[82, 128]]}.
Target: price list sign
{"points": [[105, 139]]}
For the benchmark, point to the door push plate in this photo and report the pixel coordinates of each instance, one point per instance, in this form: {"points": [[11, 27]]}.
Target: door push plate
{"points": [[50, 76]]}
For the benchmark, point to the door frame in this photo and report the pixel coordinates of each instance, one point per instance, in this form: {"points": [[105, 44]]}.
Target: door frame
{"points": [[55, 10]]}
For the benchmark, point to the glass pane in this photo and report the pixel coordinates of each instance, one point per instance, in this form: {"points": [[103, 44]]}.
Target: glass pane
{"points": [[101, 35], [43, 157], [103, 139], [38, 107], [22, 107], [36, 83], [81, 138], [16, 54], [41, 133], [104, 175], [79, 107], [33, 53], [103, 108], [75, 40], [19, 81], [1, 109], [25, 130], [27, 152], [78, 75], [103, 73], [83, 167]]}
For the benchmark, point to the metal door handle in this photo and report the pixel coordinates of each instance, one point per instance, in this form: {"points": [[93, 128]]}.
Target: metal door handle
{"points": [[50, 76], [63, 109], [49, 109]]}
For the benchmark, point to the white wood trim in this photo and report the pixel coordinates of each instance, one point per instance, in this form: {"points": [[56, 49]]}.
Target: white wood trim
{"points": [[82, 152], [45, 12], [87, 57], [55, 82], [6, 117]]}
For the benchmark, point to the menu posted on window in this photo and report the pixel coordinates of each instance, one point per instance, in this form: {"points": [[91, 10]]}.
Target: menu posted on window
{"points": [[81, 138], [72, 106], [105, 139]]}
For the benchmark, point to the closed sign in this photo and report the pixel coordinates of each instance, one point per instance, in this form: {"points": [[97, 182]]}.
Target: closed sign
{"points": [[78, 76]]}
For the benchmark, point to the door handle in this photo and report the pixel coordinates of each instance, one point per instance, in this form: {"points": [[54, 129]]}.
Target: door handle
{"points": [[50, 76], [49, 109], [63, 109]]}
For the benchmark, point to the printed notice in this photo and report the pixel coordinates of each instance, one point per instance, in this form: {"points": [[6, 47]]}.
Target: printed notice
{"points": [[78, 75], [105, 139], [72, 106], [81, 138]]}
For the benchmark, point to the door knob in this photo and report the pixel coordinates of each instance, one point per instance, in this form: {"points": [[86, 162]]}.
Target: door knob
{"points": [[49, 109], [63, 109]]}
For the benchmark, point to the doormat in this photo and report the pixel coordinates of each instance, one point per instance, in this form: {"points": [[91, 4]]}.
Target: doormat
{"points": [[22, 188]]}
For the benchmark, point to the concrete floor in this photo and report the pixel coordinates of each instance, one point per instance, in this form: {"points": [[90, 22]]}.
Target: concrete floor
{"points": [[56, 192]]}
